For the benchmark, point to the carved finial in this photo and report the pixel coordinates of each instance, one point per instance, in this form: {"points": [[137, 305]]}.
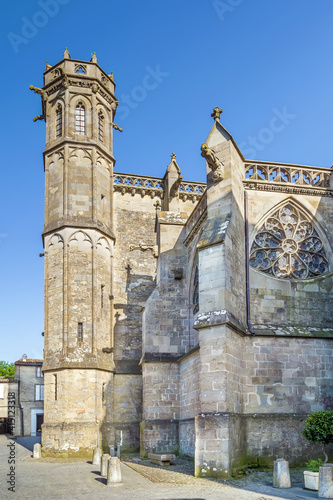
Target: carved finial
{"points": [[66, 54], [47, 66], [216, 113], [173, 163], [111, 75], [93, 58]]}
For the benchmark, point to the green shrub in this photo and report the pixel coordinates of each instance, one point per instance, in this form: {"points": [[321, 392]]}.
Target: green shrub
{"points": [[319, 428], [313, 465], [7, 369]]}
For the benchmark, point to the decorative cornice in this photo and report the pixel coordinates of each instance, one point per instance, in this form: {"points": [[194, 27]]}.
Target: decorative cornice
{"points": [[287, 188], [86, 83], [73, 143], [54, 88], [78, 224], [133, 190]]}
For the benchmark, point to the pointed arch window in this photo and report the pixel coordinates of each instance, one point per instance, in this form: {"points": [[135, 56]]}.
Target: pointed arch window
{"points": [[80, 127], [195, 296], [100, 126], [59, 121], [288, 246]]}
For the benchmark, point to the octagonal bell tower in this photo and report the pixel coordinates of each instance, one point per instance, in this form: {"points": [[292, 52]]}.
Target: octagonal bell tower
{"points": [[78, 106]]}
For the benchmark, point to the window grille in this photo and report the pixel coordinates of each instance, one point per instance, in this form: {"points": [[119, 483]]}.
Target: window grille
{"points": [[59, 121], [100, 127], [80, 119], [80, 332]]}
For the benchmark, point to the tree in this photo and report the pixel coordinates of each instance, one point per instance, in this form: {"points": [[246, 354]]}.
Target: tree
{"points": [[7, 369], [319, 428]]}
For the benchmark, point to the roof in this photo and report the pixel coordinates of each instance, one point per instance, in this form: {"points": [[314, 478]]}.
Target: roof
{"points": [[29, 361]]}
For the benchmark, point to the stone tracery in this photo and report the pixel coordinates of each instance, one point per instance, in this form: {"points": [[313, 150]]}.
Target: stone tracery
{"points": [[288, 246]]}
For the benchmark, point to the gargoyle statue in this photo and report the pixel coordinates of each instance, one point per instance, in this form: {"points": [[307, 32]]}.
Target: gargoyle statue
{"points": [[116, 127], [175, 187], [214, 163], [39, 117], [39, 91]]}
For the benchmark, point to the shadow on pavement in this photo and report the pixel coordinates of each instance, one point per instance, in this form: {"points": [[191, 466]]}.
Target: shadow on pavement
{"points": [[28, 441], [101, 480]]}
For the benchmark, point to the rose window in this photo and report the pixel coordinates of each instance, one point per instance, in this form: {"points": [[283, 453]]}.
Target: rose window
{"points": [[288, 246]]}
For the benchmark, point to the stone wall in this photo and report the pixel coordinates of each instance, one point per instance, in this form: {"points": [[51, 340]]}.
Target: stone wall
{"points": [[78, 403], [77, 288], [189, 370], [278, 435], [161, 391], [134, 272], [159, 429], [127, 410], [288, 375]]}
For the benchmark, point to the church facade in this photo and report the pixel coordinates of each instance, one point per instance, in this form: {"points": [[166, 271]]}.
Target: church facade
{"points": [[182, 316]]}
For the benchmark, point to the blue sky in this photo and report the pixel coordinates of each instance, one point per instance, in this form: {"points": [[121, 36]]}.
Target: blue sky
{"points": [[257, 59]]}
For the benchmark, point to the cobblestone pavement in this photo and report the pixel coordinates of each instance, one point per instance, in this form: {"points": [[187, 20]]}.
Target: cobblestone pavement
{"points": [[49, 479], [255, 480]]}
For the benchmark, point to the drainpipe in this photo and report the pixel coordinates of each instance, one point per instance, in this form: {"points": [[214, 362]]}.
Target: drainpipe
{"points": [[247, 265]]}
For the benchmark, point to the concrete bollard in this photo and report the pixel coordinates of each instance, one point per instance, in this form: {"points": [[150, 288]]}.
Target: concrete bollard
{"points": [[37, 453], [325, 489], [96, 456], [114, 472], [281, 476], [104, 464]]}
